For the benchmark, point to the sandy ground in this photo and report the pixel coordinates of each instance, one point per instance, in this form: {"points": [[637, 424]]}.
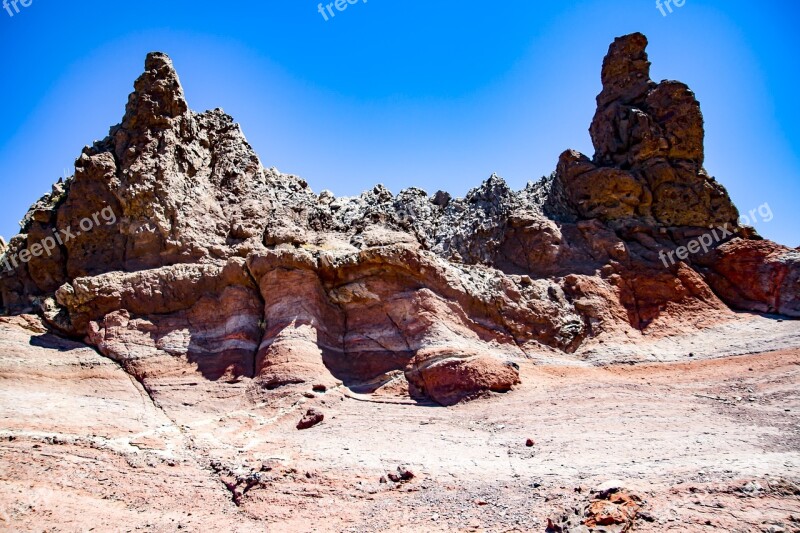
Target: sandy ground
{"points": [[710, 444]]}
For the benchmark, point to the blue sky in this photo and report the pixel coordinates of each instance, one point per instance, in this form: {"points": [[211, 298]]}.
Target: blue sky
{"points": [[415, 93]]}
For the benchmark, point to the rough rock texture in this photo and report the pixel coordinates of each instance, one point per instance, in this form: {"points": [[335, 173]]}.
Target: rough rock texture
{"points": [[310, 419], [612, 510], [178, 254], [648, 161], [758, 275]]}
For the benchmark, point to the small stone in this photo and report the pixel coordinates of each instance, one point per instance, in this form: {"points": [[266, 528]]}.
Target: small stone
{"points": [[311, 419], [529, 443], [403, 474]]}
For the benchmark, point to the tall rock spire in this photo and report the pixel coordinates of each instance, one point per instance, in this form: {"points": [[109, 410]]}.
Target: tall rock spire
{"points": [[648, 160], [157, 96], [626, 70]]}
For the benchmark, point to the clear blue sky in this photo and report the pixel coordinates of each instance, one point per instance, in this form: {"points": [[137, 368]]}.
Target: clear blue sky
{"points": [[435, 94]]}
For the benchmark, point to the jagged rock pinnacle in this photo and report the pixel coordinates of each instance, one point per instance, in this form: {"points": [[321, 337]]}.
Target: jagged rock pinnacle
{"points": [[626, 70], [648, 160], [157, 96]]}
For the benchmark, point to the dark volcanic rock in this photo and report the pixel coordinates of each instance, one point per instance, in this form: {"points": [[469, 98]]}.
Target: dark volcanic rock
{"points": [[310, 419], [648, 161], [186, 254]]}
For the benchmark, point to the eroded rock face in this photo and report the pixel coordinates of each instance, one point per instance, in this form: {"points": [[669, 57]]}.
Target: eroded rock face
{"points": [[648, 161], [178, 254], [756, 274]]}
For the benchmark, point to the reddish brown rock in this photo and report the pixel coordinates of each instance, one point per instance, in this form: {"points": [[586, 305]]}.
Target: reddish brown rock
{"points": [[300, 324], [617, 508], [193, 258], [310, 419], [449, 378], [614, 511], [756, 275], [402, 475]]}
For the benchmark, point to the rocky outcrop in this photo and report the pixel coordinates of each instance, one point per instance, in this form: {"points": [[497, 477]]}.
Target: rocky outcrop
{"points": [[648, 161], [756, 274], [175, 252]]}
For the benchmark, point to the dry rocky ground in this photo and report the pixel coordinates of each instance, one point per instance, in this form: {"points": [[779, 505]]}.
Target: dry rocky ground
{"points": [[708, 444]]}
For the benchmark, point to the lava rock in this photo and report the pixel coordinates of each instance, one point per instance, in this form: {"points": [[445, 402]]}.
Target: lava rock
{"points": [[310, 419]]}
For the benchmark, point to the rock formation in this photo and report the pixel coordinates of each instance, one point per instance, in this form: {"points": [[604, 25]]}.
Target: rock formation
{"points": [[196, 257], [648, 161]]}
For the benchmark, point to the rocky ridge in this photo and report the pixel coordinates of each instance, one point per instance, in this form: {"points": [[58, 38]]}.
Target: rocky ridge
{"points": [[217, 265]]}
